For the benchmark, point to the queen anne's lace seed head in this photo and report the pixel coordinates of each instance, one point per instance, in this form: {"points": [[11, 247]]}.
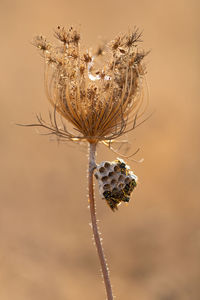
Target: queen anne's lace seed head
{"points": [[116, 182], [99, 94]]}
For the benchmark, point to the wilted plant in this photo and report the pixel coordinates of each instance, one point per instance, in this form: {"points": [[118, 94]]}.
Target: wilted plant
{"points": [[100, 94]]}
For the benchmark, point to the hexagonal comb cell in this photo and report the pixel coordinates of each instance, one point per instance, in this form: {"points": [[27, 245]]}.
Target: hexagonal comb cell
{"points": [[113, 181], [116, 182], [104, 178], [102, 169], [107, 165]]}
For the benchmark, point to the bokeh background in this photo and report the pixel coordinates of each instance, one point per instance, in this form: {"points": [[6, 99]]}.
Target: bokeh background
{"points": [[153, 245]]}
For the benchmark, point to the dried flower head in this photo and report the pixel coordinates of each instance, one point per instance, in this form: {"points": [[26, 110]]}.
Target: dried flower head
{"points": [[99, 94]]}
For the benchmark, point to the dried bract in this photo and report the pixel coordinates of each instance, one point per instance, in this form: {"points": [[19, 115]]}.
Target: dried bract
{"points": [[41, 43]]}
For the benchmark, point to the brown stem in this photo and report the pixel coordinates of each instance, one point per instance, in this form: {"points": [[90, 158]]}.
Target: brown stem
{"points": [[104, 268]]}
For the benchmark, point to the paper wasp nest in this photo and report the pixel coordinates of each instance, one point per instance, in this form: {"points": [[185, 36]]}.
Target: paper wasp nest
{"points": [[116, 182]]}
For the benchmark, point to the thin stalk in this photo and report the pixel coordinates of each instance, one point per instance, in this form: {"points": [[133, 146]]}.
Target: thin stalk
{"points": [[104, 268]]}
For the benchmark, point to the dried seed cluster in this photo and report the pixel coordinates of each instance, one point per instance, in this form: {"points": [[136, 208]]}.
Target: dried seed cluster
{"points": [[98, 93], [116, 182]]}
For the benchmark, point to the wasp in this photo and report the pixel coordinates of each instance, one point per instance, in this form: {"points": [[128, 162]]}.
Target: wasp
{"points": [[133, 184], [113, 199], [127, 190], [129, 187], [121, 164]]}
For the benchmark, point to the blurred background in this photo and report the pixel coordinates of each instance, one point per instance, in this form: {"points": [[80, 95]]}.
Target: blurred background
{"points": [[152, 245]]}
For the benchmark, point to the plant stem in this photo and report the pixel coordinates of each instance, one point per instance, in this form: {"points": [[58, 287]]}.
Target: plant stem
{"points": [[104, 268]]}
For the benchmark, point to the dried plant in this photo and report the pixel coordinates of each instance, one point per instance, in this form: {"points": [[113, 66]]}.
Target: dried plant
{"points": [[99, 93]]}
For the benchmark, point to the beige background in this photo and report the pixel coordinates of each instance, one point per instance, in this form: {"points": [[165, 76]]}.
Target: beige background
{"points": [[153, 245]]}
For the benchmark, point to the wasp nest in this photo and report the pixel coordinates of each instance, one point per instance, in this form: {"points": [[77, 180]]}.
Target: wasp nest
{"points": [[116, 182]]}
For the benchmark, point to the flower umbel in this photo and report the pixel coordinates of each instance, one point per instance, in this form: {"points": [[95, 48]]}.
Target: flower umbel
{"points": [[100, 94]]}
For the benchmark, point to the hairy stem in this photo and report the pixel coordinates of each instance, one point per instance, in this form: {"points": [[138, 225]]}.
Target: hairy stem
{"points": [[104, 268]]}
